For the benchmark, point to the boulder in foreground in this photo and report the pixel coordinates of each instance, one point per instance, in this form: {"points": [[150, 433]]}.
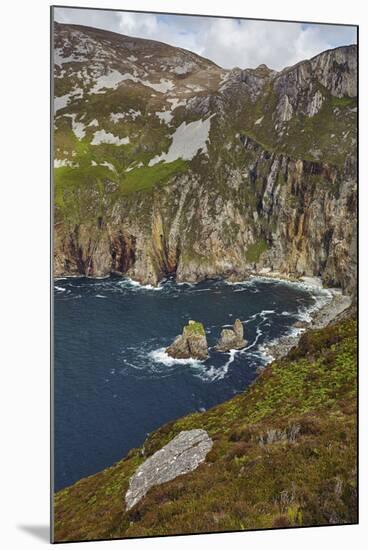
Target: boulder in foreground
{"points": [[191, 344], [181, 455]]}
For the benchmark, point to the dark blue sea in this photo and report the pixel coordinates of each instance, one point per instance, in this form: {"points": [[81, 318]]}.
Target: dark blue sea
{"points": [[113, 382]]}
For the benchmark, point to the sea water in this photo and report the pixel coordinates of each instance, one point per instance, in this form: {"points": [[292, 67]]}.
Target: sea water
{"points": [[113, 381]]}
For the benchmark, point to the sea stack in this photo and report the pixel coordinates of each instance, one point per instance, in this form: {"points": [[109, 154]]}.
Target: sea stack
{"points": [[191, 344], [232, 338]]}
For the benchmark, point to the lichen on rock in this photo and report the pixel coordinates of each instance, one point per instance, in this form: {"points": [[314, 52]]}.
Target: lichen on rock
{"points": [[181, 455]]}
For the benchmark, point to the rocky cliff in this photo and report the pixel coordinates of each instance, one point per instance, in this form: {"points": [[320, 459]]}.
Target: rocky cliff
{"points": [[168, 165]]}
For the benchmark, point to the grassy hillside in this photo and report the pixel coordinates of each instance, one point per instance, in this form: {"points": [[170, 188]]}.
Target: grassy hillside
{"points": [[284, 454]]}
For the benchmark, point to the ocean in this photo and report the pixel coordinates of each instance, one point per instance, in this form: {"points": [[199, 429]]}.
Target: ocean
{"points": [[113, 381]]}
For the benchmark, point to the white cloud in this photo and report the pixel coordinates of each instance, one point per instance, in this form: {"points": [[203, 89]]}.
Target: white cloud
{"points": [[228, 42]]}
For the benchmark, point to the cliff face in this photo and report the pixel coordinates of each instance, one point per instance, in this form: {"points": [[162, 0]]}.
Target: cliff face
{"points": [[166, 164]]}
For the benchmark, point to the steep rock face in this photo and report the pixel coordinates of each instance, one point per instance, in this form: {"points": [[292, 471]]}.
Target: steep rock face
{"points": [[261, 172]]}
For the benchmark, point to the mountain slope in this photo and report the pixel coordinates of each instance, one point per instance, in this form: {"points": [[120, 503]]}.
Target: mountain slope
{"points": [[166, 164], [284, 454]]}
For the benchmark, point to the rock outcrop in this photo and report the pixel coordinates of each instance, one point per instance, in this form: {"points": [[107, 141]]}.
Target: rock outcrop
{"points": [[232, 338], [191, 344], [181, 455]]}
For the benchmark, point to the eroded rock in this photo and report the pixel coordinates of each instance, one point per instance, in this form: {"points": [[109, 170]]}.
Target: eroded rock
{"points": [[232, 338], [192, 343], [181, 455]]}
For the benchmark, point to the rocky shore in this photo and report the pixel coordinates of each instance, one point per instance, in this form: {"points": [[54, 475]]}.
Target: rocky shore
{"points": [[319, 318]]}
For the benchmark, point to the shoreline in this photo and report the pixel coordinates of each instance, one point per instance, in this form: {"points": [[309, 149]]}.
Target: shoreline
{"points": [[309, 281], [320, 317], [317, 316]]}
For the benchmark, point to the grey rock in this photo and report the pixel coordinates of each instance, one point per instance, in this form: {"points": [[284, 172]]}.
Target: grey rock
{"points": [[192, 343], [232, 338], [181, 455]]}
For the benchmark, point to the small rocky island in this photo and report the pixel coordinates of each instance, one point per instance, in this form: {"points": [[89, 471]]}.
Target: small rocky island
{"points": [[192, 343], [232, 338]]}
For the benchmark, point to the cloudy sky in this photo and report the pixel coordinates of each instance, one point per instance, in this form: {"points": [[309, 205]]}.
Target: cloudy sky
{"points": [[228, 42]]}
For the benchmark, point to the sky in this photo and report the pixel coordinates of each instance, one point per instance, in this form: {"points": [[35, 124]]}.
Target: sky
{"points": [[228, 42]]}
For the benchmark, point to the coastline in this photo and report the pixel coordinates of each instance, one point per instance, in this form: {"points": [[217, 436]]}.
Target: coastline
{"points": [[319, 316], [331, 304]]}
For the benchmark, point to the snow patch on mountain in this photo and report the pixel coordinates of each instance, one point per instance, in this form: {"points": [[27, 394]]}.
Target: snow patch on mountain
{"points": [[163, 86], [176, 102], [101, 136], [166, 116], [60, 58], [133, 166], [110, 81], [60, 163], [115, 117], [195, 88], [114, 78], [134, 114], [77, 127], [184, 68], [62, 101], [187, 141], [105, 163]]}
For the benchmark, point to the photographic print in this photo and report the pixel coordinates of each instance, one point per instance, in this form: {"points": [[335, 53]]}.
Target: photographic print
{"points": [[204, 373]]}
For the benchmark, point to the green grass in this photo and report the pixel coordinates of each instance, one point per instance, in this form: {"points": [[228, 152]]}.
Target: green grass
{"points": [[302, 135], [194, 327], [255, 250], [343, 101], [246, 481], [146, 177], [84, 193]]}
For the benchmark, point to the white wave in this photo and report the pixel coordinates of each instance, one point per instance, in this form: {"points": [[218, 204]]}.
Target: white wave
{"points": [[210, 374], [232, 354], [202, 290], [100, 296], [246, 282], [160, 356], [296, 331], [266, 355], [321, 296], [138, 285], [60, 289]]}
